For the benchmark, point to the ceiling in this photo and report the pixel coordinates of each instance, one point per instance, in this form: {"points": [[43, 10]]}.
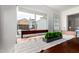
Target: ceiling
{"points": [[62, 7]]}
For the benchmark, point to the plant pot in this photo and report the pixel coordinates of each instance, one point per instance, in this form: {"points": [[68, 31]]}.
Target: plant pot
{"points": [[51, 39]]}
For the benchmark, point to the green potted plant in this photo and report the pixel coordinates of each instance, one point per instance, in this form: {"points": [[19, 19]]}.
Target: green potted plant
{"points": [[52, 36]]}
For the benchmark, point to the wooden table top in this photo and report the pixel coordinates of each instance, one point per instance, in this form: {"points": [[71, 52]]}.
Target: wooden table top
{"points": [[70, 46]]}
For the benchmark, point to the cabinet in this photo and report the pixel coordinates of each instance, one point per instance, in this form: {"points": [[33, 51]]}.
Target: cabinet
{"points": [[56, 23]]}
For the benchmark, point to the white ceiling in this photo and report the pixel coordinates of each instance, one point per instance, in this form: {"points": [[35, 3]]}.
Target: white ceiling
{"points": [[62, 7]]}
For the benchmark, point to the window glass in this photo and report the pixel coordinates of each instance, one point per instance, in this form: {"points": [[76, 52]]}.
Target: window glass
{"points": [[21, 15], [42, 22], [28, 21]]}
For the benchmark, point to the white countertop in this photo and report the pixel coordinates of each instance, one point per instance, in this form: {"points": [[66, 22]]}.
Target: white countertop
{"points": [[36, 44]]}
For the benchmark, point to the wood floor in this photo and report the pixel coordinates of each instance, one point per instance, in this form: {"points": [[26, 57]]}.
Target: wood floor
{"points": [[70, 46]]}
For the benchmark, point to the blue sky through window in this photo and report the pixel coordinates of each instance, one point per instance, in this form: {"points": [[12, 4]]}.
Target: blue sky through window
{"points": [[21, 15]]}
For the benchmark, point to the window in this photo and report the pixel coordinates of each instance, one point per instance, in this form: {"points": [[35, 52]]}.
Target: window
{"points": [[26, 15], [31, 21], [42, 22]]}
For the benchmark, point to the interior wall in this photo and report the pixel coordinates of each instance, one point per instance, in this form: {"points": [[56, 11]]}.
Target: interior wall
{"points": [[64, 19], [7, 28]]}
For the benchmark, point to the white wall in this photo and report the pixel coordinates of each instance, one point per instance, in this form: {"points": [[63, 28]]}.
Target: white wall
{"points": [[7, 28], [64, 14], [42, 9]]}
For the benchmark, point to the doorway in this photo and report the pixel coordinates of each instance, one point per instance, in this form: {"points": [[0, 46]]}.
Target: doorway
{"points": [[73, 22]]}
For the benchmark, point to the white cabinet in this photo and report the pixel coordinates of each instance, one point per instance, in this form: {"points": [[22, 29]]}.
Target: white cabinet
{"points": [[56, 23]]}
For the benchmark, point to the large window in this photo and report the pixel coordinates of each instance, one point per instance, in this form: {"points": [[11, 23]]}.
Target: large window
{"points": [[29, 21], [41, 21], [26, 15]]}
